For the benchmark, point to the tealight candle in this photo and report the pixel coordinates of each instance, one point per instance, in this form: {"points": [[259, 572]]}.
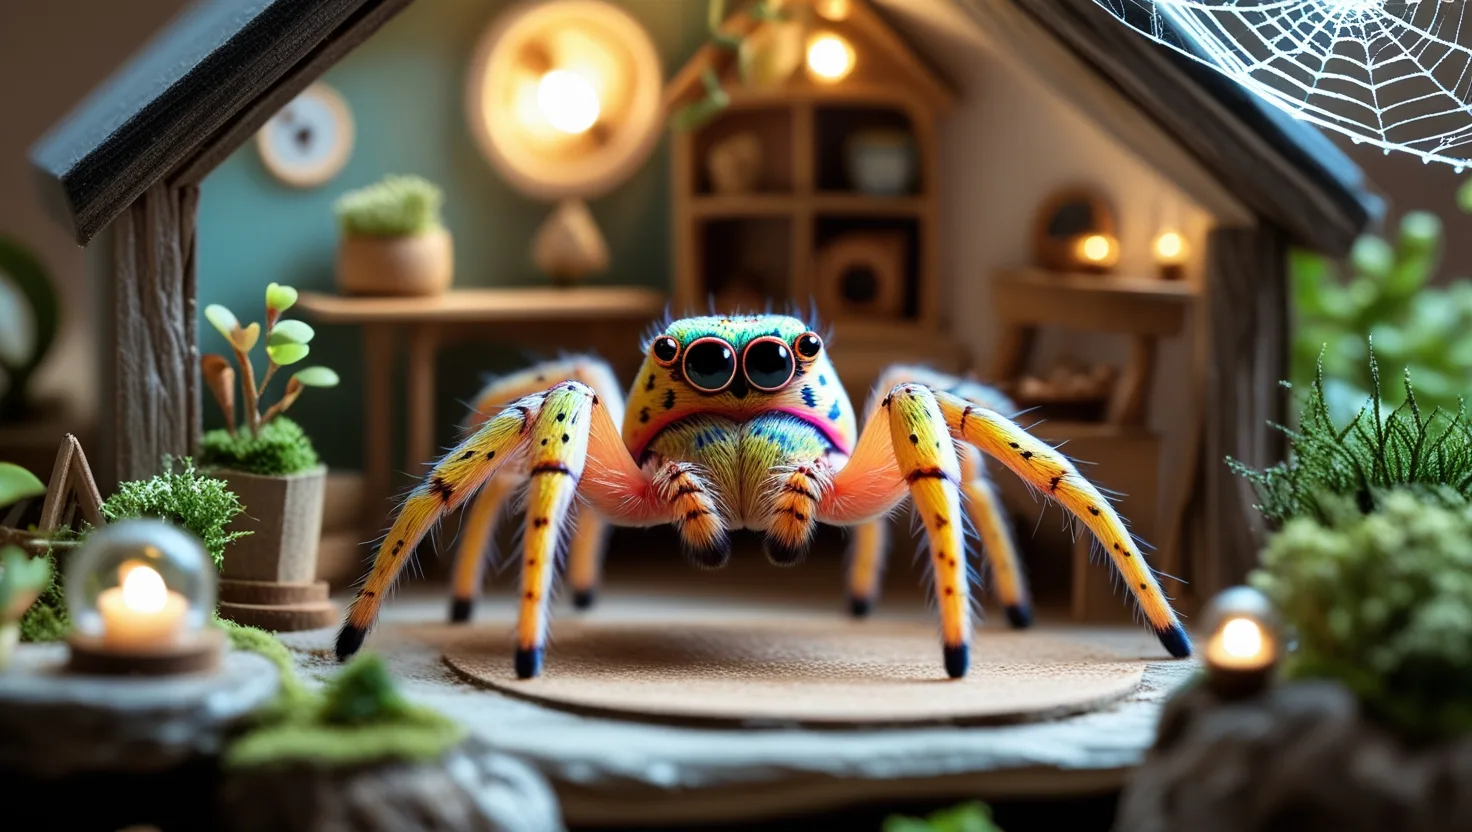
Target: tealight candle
{"points": [[1243, 646], [141, 612]]}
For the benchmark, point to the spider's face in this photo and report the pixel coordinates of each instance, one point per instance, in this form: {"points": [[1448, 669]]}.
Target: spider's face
{"points": [[739, 366]]}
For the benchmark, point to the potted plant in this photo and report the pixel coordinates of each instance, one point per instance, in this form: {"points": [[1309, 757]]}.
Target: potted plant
{"points": [[393, 241], [267, 461]]}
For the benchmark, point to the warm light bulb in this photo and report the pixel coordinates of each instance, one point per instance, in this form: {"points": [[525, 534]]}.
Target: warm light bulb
{"points": [[1169, 247], [830, 57], [1094, 248], [144, 590], [1241, 638], [567, 101], [833, 9]]}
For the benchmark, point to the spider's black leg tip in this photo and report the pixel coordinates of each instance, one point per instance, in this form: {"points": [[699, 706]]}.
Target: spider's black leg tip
{"points": [[529, 662], [958, 659], [1175, 640], [460, 609], [781, 554], [712, 555], [583, 599], [1019, 616], [860, 607], [349, 639]]}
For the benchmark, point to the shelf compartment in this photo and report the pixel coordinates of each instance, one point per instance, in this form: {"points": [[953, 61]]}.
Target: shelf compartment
{"points": [[719, 206], [833, 125], [773, 130], [746, 261], [861, 204]]}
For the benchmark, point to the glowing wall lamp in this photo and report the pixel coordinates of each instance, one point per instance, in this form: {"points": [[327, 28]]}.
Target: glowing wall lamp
{"points": [[1171, 251], [1096, 252], [830, 57], [1243, 647]]}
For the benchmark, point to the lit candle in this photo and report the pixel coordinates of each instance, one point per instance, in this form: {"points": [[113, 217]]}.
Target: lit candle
{"points": [[1239, 645], [1170, 254], [1098, 251], [1243, 645], [141, 612]]}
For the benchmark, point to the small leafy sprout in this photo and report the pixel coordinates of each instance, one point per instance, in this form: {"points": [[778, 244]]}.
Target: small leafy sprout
{"points": [[968, 817], [22, 579], [16, 484], [287, 343]]}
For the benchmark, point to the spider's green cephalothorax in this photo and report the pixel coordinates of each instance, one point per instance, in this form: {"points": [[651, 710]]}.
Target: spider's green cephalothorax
{"points": [[740, 422]]}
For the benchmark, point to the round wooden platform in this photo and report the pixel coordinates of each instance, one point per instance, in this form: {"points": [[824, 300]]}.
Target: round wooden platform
{"points": [[819, 672]]}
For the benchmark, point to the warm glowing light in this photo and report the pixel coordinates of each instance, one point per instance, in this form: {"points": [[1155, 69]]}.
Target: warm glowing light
{"points": [[830, 57], [1242, 638], [568, 101], [1095, 248], [144, 590], [833, 9], [1170, 247]]}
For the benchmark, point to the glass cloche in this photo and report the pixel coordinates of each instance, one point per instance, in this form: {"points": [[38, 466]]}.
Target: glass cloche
{"points": [[140, 585]]}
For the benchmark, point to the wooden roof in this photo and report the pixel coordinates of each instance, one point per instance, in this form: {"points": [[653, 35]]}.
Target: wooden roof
{"points": [[198, 90]]}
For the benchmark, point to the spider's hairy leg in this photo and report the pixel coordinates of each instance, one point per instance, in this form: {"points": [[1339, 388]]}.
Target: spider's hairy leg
{"points": [[1051, 473], [794, 512], [452, 480], [555, 460], [475, 540], [989, 518], [926, 455], [866, 565], [688, 504], [585, 557]]}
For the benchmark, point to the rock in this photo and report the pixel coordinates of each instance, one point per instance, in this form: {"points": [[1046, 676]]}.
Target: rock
{"points": [[57, 724], [1300, 756], [472, 787]]}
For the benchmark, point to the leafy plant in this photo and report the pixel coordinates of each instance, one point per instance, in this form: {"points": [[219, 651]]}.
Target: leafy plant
{"points": [[29, 280], [1384, 295], [1378, 450], [281, 449], [396, 206], [287, 343], [22, 578], [1381, 602], [756, 52], [186, 498], [968, 817], [47, 618], [16, 484]]}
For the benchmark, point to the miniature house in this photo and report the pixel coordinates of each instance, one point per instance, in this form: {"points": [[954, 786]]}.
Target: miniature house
{"points": [[901, 186]]}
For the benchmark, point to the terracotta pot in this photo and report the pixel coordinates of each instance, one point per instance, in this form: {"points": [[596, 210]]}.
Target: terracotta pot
{"points": [[284, 515], [421, 264]]}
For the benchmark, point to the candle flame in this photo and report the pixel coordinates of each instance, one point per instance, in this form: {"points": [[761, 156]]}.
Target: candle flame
{"points": [[144, 590], [1242, 638]]}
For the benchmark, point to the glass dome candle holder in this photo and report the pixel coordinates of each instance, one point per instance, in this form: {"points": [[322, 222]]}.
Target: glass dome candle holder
{"points": [[1243, 645], [139, 594]]}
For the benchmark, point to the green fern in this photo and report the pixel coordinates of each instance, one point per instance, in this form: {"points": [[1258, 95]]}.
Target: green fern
{"points": [[1380, 449]]}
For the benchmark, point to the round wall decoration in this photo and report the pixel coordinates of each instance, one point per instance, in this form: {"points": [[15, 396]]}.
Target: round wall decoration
{"points": [[310, 139]]}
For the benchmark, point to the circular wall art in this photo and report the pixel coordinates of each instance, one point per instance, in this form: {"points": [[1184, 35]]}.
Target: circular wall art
{"points": [[309, 140]]}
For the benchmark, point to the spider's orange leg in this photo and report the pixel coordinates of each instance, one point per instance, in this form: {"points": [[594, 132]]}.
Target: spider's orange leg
{"points": [[475, 544], [866, 565], [585, 558], [1040, 465], [989, 518]]}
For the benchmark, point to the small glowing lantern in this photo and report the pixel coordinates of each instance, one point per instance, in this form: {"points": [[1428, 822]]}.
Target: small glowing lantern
{"points": [[830, 57], [1171, 251], [1243, 646], [1095, 252], [568, 101], [139, 594]]}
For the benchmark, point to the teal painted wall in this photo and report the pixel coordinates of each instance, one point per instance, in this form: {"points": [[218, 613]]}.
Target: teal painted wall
{"points": [[405, 87]]}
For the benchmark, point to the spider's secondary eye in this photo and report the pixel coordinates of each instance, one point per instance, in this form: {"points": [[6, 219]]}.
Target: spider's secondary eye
{"points": [[768, 364], [809, 345], [710, 365], [665, 349]]}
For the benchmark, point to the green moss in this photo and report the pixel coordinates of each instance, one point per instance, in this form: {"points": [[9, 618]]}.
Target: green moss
{"points": [[1379, 450], [359, 717], [281, 449], [1381, 602], [47, 620], [968, 817], [184, 497], [396, 206]]}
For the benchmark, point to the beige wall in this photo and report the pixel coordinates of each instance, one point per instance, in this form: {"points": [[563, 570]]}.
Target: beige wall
{"points": [[52, 52]]}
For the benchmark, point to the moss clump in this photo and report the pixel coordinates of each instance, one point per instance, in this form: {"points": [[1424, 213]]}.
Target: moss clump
{"points": [[47, 620], [1379, 450], [397, 206], [184, 497], [281, 449], [968, 817], [359, 717], [1381, 602]]}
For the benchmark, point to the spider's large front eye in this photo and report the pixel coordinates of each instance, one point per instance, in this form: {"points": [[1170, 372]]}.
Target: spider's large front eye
{"points": [[666, 349], [768, 364], [710, 365]]}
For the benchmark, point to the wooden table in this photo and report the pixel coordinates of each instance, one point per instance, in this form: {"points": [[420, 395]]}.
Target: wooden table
{"points": [[429, 323]]}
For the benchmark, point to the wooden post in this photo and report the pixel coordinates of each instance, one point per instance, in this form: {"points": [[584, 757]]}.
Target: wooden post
{"points": [[155, 379], [1247, 291]]}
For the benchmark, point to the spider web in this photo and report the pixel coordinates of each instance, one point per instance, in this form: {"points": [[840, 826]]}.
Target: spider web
{"points": [[1396, 74]]}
